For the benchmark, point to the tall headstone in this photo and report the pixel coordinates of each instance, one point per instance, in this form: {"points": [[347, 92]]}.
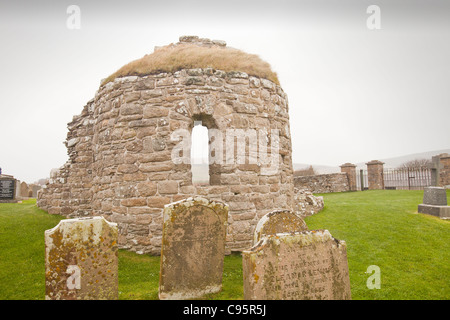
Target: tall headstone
{"points": [[8, 186], [435, 202], [81, 260], [193, 248], [308, 265], [24, 190], [278, 221]]}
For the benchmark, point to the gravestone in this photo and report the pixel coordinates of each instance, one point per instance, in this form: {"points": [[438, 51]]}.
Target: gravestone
{"points": [[435, 196], [278, 221], [193, 248], [307, 265], [81, 260], [435, 202], [24, 190], [7, 189]]}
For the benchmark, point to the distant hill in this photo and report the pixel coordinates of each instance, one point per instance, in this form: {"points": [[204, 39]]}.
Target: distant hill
{"points": [[320, 169], [397, 161]]}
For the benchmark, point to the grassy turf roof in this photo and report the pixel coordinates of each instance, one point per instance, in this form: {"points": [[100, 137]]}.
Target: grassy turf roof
{"points": [[173, 58]]}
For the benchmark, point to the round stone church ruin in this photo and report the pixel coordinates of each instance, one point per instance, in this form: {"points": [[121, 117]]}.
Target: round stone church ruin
{"points": [[129, 149]]}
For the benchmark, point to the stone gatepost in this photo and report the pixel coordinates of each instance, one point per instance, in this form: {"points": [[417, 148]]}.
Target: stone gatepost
{"points": [[444, 176], [375, 175], [350, 170], [440, 170]]}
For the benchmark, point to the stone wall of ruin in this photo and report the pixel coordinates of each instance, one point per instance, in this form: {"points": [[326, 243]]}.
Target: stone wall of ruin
{"points": [[120, 154], [323, 183]]}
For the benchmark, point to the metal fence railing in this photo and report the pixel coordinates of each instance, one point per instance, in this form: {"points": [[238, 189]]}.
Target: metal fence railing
{"points": [[407, 178], [361, 177], [398, 179]]}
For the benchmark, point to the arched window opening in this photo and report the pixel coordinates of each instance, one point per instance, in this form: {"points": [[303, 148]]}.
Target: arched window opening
{"points": [[200, 154]]}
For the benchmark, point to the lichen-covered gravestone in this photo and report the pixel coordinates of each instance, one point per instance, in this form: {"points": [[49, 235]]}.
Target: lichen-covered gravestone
{"points": [[81, 260], [278, 221], [307, 265], [193, 248]]}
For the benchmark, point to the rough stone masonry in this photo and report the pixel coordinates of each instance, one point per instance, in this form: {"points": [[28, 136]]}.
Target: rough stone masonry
{"points": [[120, 151]]}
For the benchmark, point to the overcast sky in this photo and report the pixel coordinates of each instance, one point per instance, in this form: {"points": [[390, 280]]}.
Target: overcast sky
{"points": [[355, 94]]}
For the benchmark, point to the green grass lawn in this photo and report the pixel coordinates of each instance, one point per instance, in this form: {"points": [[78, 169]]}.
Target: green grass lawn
{"points": [[380, 228], [383, 228]]}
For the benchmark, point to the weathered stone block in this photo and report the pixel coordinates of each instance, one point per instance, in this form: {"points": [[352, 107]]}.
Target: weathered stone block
{"points": [[149, 94], [229, 179], [267, 84], [146, 189], [151, 111], [134, 146], [127, 168], [157, 201], [158, 144], [136, 176], [127, 134], [156, 167], [134, 202], [241, 205], [130, 109], [168, 187]]}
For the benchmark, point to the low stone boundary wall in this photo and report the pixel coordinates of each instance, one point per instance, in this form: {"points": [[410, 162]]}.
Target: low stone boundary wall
{"points": [[323, 183]]}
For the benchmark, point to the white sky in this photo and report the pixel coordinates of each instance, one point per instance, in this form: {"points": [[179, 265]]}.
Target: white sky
{"points": [[354, 94]]}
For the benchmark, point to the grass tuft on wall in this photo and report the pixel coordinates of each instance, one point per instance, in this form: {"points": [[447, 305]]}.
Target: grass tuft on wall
{"points": [[173, 58]]}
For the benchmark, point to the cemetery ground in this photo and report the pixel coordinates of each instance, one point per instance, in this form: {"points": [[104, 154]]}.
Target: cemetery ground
{"points": [[380, 227]]}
